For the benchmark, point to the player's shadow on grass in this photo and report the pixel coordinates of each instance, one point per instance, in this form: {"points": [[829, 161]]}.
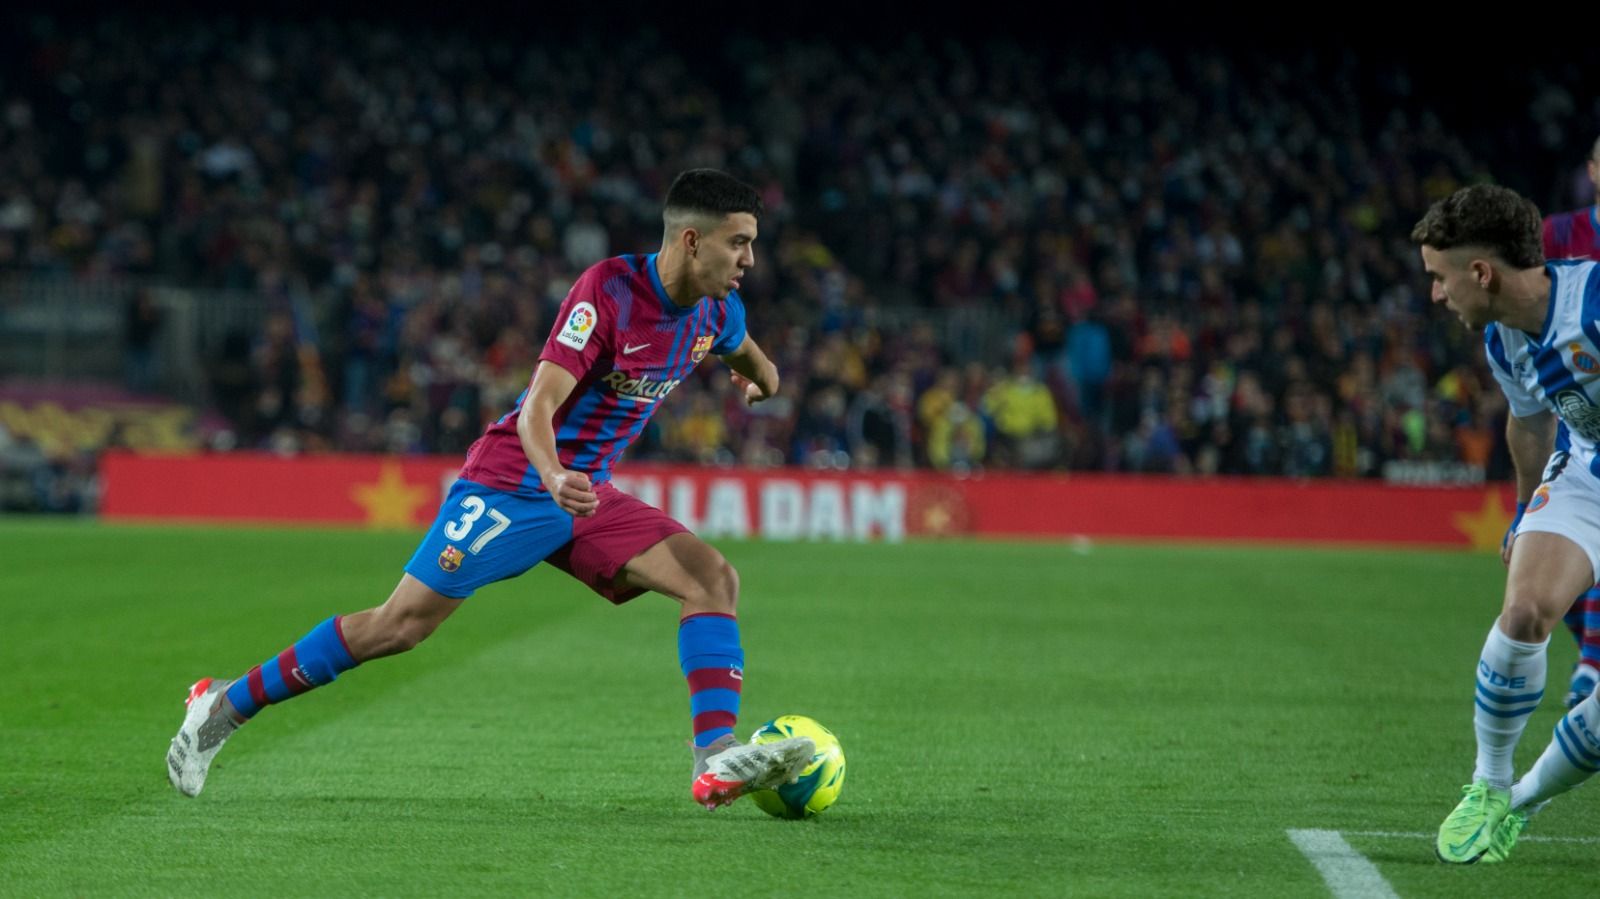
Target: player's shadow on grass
{"points": [[1546, 858]]}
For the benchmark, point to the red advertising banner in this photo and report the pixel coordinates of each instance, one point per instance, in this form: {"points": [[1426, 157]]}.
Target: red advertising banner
{"points": [[795, 504]]}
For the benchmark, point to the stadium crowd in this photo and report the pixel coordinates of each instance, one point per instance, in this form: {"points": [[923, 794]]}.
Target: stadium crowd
{"points": [[1198, 260]]}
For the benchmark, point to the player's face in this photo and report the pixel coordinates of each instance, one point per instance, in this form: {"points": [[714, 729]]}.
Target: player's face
{"points": [[1460, 283], [724, 254]]}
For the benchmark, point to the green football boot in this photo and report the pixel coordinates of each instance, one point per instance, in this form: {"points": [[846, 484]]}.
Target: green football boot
{"points": [[1467, 833], [1505, 838]]}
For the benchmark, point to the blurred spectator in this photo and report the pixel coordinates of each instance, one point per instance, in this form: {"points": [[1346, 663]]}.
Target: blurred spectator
{"points": [[234, 385], [880, 423], [698, 432], [953, 432], [142, 324], [1024, 416]]}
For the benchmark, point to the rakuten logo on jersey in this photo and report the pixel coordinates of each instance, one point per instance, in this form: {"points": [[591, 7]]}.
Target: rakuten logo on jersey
{"points": [[639, 389]]}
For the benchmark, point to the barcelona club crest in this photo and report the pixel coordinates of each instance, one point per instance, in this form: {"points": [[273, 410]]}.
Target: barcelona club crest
{"points": [[450, 559], [702, 346]]}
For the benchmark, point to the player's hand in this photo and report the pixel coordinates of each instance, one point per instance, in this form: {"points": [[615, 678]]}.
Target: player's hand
{"points": [[753, 392], [572, 492], [1511, 534]]}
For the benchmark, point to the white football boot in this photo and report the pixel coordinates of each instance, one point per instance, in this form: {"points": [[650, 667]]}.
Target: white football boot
{"points": [[205, 728], [745, 768], [703, 754]]}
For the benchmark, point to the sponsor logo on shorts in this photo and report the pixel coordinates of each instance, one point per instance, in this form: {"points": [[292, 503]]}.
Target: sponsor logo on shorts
{"points": [[702, 346], [450, 559], [1541, 498]]}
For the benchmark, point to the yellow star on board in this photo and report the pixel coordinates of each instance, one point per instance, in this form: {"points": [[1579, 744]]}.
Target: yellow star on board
{"points": [[1486, 527], [392, 502]]}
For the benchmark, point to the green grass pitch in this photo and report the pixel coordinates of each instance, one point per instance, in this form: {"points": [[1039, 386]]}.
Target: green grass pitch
{"points": [[1020, 720]]}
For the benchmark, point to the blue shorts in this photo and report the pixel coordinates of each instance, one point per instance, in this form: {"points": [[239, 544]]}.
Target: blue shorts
{"points": [[483, 535]]}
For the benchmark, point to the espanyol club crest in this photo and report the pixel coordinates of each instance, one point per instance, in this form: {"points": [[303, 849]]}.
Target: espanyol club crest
{"points": [[1582, 361], [702, 346], [450, 559], [1541, 498]]}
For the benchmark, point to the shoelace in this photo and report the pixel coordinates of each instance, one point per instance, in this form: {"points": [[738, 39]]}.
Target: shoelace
{"points": [[1471, 793]]}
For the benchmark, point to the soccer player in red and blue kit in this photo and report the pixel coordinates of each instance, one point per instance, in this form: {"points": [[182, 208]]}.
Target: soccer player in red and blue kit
{"points": [[537, 487], [1576, 235]]}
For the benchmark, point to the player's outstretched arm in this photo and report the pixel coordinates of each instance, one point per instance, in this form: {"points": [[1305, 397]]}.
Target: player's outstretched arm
{"points": [[753, 372], [572, 490]]}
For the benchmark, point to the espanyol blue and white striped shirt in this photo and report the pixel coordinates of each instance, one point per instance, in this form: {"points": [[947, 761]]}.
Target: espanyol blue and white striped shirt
{"points": [[1559, 370]]}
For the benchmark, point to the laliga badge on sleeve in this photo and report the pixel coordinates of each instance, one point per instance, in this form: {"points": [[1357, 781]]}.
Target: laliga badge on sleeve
{"points": [[579, 325]]}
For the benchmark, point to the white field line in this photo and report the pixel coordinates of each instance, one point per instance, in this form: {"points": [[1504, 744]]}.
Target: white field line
{"points": [[1347, 872]]}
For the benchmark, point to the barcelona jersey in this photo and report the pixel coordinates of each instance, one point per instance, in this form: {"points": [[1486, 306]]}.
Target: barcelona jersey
{"points": [[1573, 235], [629, 346]]}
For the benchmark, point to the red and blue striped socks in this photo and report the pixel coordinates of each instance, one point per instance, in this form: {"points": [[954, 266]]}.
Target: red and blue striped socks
{"points": [[316, 659], [1584, 622], [713, 662]]}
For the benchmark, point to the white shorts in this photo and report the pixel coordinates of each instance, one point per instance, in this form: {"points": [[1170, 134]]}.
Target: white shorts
{"points": [[1567, 503]]}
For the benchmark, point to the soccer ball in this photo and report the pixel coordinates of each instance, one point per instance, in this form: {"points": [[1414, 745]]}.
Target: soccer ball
{"points": [[820, 781]]}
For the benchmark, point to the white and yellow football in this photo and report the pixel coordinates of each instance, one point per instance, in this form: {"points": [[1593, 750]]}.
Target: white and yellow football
{"points": [[820, 781]]}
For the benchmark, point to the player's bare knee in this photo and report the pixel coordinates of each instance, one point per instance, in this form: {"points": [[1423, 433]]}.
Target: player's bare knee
{"points": [[716, 587], [1525, 617], [726, 580]]}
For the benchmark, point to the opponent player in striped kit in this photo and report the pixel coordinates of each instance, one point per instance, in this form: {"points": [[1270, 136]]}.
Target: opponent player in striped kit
{"points": [[1541, 326], [537, 487], [1576, 235]]}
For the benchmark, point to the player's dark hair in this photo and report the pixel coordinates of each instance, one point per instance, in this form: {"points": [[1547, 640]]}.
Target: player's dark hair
{"points": [[712, 193], [1484, 215]]}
